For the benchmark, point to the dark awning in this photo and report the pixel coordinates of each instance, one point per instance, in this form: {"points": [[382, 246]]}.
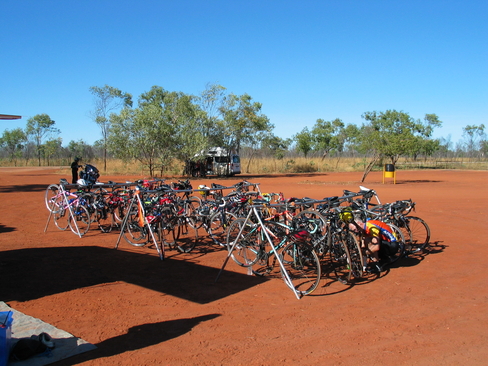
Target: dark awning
{"points": [[9, 116]]}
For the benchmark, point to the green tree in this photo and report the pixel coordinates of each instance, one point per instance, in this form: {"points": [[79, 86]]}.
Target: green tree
{"points": [[166, 125], [276, 145], [13, 141], [328, 136], [52, 148], [142, 134], [40, 127], [242, 122], [107, 100], [391, 134], [304, 141], [81, 149], [474, 136], [188, 120], [427, 147], [211, 101], [352, 133], [484, 147], [184, 113]]}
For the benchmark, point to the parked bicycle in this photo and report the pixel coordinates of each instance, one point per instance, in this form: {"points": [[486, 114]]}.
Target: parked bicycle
{"points": [[261, 245]]}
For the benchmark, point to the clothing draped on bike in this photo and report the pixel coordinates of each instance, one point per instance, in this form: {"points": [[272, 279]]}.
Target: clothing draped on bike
{"points": [[379, 229], [388, 242]]}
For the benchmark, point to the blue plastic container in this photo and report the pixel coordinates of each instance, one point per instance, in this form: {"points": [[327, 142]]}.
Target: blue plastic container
{"points": [[6, 319]]}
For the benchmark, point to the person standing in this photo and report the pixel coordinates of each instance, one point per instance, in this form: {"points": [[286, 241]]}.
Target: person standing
{"points": [[74, 169]]}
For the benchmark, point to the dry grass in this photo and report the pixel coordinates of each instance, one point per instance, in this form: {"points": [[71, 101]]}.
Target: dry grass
{"points": [[301, 165], [270, 165]]}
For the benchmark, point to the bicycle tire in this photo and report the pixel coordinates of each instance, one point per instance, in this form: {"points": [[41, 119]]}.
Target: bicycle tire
{"points": [[133, 232], [197, 201], [402, 224], [397, 232], [105, 219], [419, 234], [275, 233], [82, 218], [355, 254], [191, 208], [318, 236], [188, 236], [217, 228], [87, 199], [136, 235], [120, 212], [340, 259], [121, 205], [271, 240], [301, 263], [245, 248], [52, 192], [61, 216], [169, 227]]}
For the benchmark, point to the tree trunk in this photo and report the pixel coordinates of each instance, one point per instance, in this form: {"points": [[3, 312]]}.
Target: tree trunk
{"points": [[249, 162], [105, 158], [337, 162], [324, 155], [369, 167]]}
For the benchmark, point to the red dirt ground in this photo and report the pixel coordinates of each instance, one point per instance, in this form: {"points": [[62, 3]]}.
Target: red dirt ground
{"points": [[139, 310]]}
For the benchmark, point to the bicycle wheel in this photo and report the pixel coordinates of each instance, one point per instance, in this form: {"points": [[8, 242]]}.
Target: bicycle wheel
{"points": [[190, 207], [245, 247], [340, 259], [61, 216], [402, 224], [120, 201], [79, 223], [317, 228], [135, 234], [195, 201], [219, 223], [50, 196], [419, 234], [105, 219], [89, 203], [355, 253], [302, 265], [188, 236], [392, 257], [271, 239], [120, 211], [169, 227], [318, 219]]}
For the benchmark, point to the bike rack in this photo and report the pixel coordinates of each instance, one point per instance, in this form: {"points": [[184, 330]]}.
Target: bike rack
{"points": [[72, 216], [231, 249], [146, 223]]}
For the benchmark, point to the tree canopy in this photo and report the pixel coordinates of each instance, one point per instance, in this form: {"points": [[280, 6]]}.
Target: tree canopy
{"points": [[13, 141], [40, 127], [166, 126], [107, 100], [392, 134]]}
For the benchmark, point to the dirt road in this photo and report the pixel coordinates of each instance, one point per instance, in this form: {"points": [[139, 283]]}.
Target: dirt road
{"points": [[139, 310]]}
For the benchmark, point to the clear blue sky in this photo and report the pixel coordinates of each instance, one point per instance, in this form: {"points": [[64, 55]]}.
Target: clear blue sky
{"points": [[303, 60]]}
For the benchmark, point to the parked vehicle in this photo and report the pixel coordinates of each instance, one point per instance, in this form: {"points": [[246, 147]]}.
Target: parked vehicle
{"points": [[215, 161]]}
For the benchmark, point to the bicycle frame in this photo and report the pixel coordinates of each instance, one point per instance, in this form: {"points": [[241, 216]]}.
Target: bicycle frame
{"points": [[67, 205], [253, 212], [137, 200]]}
